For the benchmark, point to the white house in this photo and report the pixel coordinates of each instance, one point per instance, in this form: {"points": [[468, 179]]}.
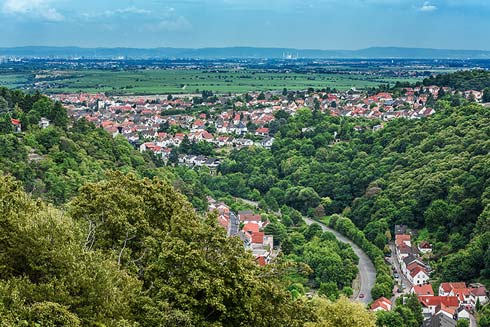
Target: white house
{"points": [[462, 313], [418, 276], [425, 247], [478, 294], [381, 304], [43, 123]]}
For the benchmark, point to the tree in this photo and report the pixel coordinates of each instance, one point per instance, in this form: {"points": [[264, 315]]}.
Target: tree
{"points": [[3, 104], [486, 95], [312, 231], [59, 115], [6, 126], [43, 263], [342, 313], [389, 319], [193, 273], [463, 323], [52, 314], [329, 290]]}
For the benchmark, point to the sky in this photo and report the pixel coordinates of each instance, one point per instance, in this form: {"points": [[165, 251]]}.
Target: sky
{"points": [[305, 24]]}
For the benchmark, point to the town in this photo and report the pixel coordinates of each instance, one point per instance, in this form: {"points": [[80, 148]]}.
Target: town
{"points": [[443, 306], [203, 122]]}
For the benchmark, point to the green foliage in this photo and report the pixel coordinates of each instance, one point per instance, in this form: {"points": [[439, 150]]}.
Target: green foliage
{"points": [[45, 270], [333, 264], [462, 80], [131, 252], [408, 314], [486, 95], [384, 281], [342, 313]]}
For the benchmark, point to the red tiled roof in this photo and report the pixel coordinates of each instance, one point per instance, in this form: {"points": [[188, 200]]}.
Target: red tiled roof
{"points": [[449, 301], [423, 289], [414, 272], [258, 238], [261, 261], [383, 303], [479, 291], [250, 217], [461, 293], [251, 227], [447, 287], [402, 238]]}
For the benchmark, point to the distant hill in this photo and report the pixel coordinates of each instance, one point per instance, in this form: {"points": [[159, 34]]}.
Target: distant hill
{"points": [[243, 52]]}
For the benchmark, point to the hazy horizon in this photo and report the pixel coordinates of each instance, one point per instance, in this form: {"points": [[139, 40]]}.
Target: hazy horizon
{"points": [[314, 24]]}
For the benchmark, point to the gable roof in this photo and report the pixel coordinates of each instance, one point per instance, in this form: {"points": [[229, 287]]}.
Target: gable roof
{"points": [[382, 303], [402, 238], [414, 272], [448, 287], [449, 301], [423, 289], [250, 217], [479, 291], [439, 320]]}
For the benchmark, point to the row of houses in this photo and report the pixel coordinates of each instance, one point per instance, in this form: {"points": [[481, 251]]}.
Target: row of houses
{"points": [[408, 255], [249, 227], [453, 300]]}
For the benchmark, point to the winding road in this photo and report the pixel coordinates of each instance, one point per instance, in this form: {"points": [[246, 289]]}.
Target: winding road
{"points": [[367, 272]]}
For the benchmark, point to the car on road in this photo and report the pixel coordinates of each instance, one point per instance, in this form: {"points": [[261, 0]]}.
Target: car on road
{"points": [[396, 275], [361, 296]]}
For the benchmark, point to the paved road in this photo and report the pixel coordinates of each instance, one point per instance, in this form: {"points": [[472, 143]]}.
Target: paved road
{"points": [[472, 321], [367, 272], [402, 277]]}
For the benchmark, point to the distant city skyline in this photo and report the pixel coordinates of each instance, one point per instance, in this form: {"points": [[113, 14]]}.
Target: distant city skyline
{"points": [[314, 24]]}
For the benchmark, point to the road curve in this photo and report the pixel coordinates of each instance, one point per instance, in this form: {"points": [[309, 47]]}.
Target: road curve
{"points": [[367, 272]]}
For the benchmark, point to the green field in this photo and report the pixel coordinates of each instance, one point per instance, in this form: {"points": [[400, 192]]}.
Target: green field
{"points": [[189, 81], [14, 81]]}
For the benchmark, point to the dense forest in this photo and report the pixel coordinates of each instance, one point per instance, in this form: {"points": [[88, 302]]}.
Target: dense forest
{"points": [[133, 252], [462, 80], [431, 174], [158, 262], [95, 234]]}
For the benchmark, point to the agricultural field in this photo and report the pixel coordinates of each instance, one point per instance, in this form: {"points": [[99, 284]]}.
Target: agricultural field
{"points": [[177, 81], [14, 80]]}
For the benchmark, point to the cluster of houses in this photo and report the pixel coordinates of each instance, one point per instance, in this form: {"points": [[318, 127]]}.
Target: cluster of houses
{"points": [[248, 226], [454, 300], [409, 256], [236, 120]]}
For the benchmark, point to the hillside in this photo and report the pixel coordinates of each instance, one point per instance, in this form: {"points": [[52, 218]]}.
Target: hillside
{"points": [[462, 80], [120, 250], [431, 174]]}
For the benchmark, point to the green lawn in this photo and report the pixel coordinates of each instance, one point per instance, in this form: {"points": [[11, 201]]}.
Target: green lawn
{"points": [[189, 81]]}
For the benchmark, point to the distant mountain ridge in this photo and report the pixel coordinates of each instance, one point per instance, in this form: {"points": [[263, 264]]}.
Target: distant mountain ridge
{"points": [[242, 52]]}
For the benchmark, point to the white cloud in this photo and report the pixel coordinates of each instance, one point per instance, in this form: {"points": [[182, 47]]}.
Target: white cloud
{"points": [[427, 6], [33, 8], [171, 24], [117, 13]]}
